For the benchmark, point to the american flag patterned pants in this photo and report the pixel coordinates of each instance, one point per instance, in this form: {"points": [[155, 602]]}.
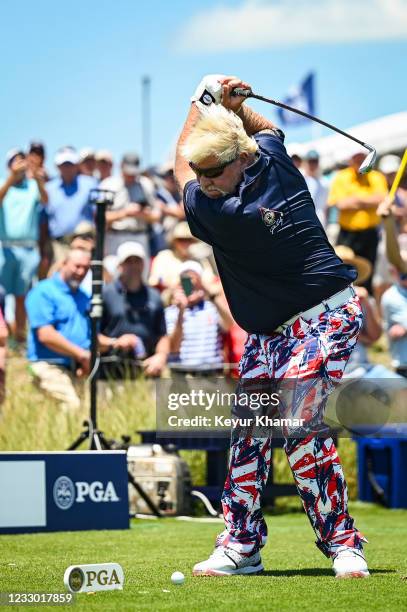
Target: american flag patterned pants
{"points": [[314, 354]]}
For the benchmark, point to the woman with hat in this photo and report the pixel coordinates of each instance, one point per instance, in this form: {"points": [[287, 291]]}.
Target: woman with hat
{"points": [[184, 246]]}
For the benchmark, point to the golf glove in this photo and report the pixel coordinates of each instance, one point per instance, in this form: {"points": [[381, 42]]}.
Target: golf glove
{"points": [[209, 90]]}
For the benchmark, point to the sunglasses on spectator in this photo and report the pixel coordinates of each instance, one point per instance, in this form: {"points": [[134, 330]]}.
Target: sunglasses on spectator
{"points": [[211, 172], [403, 276]]}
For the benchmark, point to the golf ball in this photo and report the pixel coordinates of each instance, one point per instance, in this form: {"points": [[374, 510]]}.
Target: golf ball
{"points": [[177, 578]]}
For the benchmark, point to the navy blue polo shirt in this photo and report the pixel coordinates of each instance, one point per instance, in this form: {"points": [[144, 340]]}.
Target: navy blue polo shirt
{"points": [[273, 256], [53, 302], [133, 312]]}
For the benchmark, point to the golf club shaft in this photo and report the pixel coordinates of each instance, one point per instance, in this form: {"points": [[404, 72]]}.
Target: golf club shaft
{"points": [[249, 94], [398, 176]]}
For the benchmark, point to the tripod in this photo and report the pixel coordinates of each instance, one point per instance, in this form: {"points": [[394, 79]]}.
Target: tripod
{"points": [[101, 199]]}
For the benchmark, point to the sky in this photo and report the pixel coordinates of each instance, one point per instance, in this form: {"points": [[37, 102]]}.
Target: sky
{"points": [[71, 73]]}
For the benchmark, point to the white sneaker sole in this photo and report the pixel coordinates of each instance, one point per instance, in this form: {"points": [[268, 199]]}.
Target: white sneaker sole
{"points": [[250, 569], [357, 574]]}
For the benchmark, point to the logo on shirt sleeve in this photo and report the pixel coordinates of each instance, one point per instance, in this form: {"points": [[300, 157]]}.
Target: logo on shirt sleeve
{"points": [[271, 218]]}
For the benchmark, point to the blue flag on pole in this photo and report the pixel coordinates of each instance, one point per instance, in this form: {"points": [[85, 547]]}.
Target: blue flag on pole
{"points": [[302, 97]]}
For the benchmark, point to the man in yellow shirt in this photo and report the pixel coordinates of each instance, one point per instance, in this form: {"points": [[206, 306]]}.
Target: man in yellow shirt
{"points": [[356, 196]]}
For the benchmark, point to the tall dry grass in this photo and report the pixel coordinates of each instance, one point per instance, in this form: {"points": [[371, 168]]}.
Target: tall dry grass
{"points": [[30, 420]]}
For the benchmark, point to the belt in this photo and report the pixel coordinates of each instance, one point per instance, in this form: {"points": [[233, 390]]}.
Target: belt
{"points": [[199, 373], [111, 230], [331, 303], [26, 244]]}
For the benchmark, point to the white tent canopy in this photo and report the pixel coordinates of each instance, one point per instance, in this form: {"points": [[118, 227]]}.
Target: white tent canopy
{"points": [[387, 135]]}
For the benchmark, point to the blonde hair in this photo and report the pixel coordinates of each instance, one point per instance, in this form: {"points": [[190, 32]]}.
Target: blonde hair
{"points": [[218, 132]]}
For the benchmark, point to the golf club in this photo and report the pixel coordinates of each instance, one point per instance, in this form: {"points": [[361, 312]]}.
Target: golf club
{"points": [[367, 163], [398, 176]]}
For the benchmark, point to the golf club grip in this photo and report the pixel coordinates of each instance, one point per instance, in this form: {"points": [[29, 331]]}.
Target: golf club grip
{"points": [[398, 176], [239, 91]]}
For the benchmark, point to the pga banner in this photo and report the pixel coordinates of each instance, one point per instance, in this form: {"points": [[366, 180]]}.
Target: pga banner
{"points": [[63, 491]]}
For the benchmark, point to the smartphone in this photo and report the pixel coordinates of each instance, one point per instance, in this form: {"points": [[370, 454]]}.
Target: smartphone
{"points": [[187, 285]]}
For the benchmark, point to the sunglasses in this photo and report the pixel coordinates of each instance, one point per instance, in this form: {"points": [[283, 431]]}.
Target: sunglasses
{"points": [[403, 276], [211, 172]]}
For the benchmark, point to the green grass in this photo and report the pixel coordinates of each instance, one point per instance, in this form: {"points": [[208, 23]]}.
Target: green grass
{"points": [[297, 576]]}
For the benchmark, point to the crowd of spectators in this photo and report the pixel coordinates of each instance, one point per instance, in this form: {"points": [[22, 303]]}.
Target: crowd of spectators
{"points": [[163, 304]]}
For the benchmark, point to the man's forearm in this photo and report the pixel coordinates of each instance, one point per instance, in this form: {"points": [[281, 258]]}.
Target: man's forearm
{"points": [[224, 312], [53, 340], [43, 192], [392, 245], [105, 343], [176, 336], [115, 215], [372, 200], [183, 172], [253, 122], [163, 346], [5, 187]]}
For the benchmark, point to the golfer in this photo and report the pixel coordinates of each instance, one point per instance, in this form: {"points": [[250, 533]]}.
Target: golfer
{"points": [[292, 294]]}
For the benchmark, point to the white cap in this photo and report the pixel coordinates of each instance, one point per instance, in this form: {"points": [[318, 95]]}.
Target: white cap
{"points": [[10, 155], [130, 249], [67, 155], [191, 266], [86, 153], [104, 155], [389, 164], [110, 264]]}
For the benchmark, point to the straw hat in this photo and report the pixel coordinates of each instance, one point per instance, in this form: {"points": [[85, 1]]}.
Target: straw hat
{"points": [[181, 230], [362, 265]]}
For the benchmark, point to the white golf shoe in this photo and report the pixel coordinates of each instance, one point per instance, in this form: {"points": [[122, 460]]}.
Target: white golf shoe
{"points": [[221, 537], [228, 562], [350, 563]]}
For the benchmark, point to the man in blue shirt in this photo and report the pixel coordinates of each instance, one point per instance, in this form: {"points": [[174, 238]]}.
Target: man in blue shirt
{"points": [[20, 202], [288, 289], [69, 203], [59, 336], [133, 322]]}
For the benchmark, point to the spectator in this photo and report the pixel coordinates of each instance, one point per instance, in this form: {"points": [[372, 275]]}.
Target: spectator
{"points": [[134, 208], [133, 322], [394, 305], [317, 186], [36, 165], [68, 201], [394, 300], [382, 278], [357, 196], [59, 339], [3, 354], [20, 202], [170, 198], [87, 162], [371, 330], [165, 269], [195, 322], [36, 160], [386, 210], [83, 238], [104, 164], [295, 153]]}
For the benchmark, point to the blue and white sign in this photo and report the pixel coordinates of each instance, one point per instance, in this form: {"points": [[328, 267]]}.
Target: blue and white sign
{"points": [[63, 491]]}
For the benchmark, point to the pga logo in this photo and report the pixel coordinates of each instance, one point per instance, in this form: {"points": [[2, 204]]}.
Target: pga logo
{"points": [[66, 492], [95, 577]]}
